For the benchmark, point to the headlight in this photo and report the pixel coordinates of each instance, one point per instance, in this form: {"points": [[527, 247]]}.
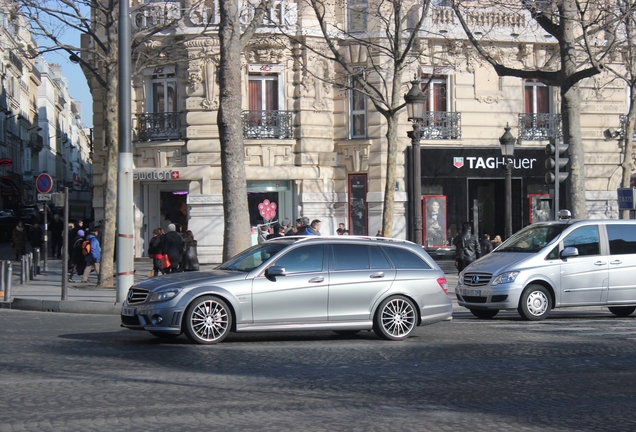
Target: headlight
{"points": [[163, 295], [503, 278]]}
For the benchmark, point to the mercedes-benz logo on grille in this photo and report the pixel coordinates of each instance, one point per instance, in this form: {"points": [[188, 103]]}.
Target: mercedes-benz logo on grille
{"points": [[474, 280], [131, 294]]}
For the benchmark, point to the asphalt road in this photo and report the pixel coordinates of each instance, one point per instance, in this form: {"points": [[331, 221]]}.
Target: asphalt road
{"points": [[575, 371]]}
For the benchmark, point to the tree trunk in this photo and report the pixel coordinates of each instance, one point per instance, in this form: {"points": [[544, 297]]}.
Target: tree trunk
{"points": [[389, 187], [628, 139], [235, 207]]}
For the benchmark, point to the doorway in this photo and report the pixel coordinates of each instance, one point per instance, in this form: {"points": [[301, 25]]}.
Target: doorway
{"points": [[491, 198]]}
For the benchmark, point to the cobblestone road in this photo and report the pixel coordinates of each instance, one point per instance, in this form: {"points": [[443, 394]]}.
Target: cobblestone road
{"points": [[70, 372]]}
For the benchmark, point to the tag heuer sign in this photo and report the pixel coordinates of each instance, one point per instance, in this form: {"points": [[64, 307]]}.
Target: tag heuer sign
{"points": [[458, 162]]}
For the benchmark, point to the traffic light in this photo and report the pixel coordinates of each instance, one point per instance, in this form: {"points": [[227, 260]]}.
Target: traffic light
{"points": [[551, 162]]}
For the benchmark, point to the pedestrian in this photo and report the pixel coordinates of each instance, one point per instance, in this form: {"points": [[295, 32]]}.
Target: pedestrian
{"points": [[379, 233], [79, 225], [19, 240], [57, 230], [94, 257], [486, 245], [155, 251], [301, 226], [77, 260], [285, 224], [190, 259], [172, 246], [35, 236], [314, 228], [341, 228], [496, 241], [263, 232], [467, 248], [292, 231], [278, 231]]}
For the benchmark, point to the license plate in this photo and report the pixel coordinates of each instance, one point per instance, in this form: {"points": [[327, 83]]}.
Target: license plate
{"points": [[472, 293], [128, 311]]}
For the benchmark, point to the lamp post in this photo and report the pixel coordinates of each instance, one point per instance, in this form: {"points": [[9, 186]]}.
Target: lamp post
{"points": [[507, 142], [415, 100]]}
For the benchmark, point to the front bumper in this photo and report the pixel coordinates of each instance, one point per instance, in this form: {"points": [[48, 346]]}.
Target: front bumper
{"points": [[152, 318], [504, 297]]}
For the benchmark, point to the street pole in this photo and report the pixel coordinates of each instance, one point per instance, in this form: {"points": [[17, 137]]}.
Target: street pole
{"points": [[416, 198], [65, 249], [556, 178], [125, 223], [508, 198]]}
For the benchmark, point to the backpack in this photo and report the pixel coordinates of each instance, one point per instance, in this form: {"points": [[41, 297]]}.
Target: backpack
{"points": [[86, 247]]}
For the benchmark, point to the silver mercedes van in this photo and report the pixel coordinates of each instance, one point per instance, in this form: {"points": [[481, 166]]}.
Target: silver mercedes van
{"points": [[556, 264]]}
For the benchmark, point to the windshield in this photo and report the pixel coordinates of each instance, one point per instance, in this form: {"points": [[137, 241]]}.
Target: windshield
{"points": [[532, 238], [253, 257]]}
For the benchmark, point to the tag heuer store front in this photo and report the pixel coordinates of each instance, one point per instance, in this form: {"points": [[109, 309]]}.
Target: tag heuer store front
{"points": [[468, 184]]}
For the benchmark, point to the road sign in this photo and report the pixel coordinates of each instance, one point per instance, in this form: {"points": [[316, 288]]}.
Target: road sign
{"points": [[44, 183], [44, 197]]}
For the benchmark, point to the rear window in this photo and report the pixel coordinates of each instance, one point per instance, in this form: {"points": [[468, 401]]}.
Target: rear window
{"points": [[358, 257], [405, 259], [622, 239]]}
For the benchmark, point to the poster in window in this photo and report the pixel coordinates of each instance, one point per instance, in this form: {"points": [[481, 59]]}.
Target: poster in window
{"points": [[541, 208], [435, 220], [358, 204]]}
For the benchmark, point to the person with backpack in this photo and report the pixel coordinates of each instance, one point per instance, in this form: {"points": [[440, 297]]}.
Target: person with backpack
{"points": [[92, 254], [77, 261], [467, 247], [155, 251]]}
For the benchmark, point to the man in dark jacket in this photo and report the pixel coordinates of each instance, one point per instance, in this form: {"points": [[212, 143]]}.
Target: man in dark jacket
{"points": [[486, 245], [467, 248], [173, 246]]}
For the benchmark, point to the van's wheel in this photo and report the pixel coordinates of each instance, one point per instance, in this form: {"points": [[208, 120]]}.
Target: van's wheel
{"points": [[484, 314], [207, 320], [395, 319], [535, 303], [622, 311]]}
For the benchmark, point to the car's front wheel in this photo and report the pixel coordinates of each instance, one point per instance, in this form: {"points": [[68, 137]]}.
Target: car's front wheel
{"points": [[207, 320], [484, 314], [535, 303], [622, 311], [395, 319]]}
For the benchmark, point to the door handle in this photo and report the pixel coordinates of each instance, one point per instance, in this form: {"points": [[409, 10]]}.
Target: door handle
{"points": [[599, 263], [377, 275], [616, 262], [318, 279]]}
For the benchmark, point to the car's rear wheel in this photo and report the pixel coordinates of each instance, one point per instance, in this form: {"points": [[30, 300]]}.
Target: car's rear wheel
{"points": [[207, 320], [395, 319], [622, 311], [484, 314], [535, 303], [164, 335]]}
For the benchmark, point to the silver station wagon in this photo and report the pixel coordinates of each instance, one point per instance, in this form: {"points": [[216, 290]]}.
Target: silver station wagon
{"points": [[343, 284], [555, 264]]}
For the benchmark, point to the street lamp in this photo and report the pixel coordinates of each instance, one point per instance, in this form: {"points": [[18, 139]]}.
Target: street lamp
{"points": [[507, 142], [415, 101]]}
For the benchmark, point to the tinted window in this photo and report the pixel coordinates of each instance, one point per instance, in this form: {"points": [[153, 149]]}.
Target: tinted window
{"points": [[378, 260], [532, 239], [405, 259], [622, 239], [253, 257], [585, 239], [350, 257], [304, 259]]}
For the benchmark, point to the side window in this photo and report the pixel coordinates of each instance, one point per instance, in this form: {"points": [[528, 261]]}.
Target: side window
{"points": [[304, 259], [622, 239], [585, 239], [378, 260], [404, 259], [350, 257]]}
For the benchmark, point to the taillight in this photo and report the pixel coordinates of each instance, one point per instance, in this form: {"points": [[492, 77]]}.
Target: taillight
{"points": [[442, 282]]}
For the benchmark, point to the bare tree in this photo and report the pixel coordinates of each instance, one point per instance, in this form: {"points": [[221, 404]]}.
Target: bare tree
{"points": [[565, 20], [387, 39]]}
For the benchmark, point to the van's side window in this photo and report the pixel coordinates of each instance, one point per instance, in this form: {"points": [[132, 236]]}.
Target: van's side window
{"points": [[585, 239], [622, 239]]}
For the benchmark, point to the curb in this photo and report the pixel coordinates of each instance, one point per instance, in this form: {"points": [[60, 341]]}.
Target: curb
{"points": [[64, 306]]}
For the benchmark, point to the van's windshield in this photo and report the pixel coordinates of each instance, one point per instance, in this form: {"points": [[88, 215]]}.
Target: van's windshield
{"points": [[532, 238]]}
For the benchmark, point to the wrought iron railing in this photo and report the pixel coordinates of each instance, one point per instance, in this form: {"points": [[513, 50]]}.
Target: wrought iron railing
{"points": [[623, 121], [539, 127], [441, 125], [158, 126], [267, 124]]}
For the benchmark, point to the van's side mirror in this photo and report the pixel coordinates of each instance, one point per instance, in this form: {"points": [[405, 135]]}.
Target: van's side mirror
{"points": [[274, 271], [569, 252]]}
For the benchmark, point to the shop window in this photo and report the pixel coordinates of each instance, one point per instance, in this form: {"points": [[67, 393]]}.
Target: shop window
{"points": [[358, 204], [357, 110]]}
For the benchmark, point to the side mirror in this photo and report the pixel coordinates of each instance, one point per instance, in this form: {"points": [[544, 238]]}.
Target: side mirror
{"points": [[569, 252], [272, 272]]}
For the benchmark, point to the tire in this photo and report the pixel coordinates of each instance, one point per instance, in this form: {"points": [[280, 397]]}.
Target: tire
{"points": [[163, 335], [207, 320], [346, 332], [622, 311], [484, 314], [535, 303], [395, 319]]}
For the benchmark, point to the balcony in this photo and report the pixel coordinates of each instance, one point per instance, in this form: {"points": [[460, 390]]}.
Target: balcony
{"points": [[441, 125], [267, 124], [158, 126], [539, 127]]}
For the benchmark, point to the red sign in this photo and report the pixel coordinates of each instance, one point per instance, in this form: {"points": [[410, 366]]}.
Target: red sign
{"points": [[44, 183], [175, 175], [6, 162]]}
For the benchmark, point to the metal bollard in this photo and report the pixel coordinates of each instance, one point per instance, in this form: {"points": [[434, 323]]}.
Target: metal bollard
{"points": [[36, 260], [3, 269], [22, 270], [30, 266], [6, 279]]}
